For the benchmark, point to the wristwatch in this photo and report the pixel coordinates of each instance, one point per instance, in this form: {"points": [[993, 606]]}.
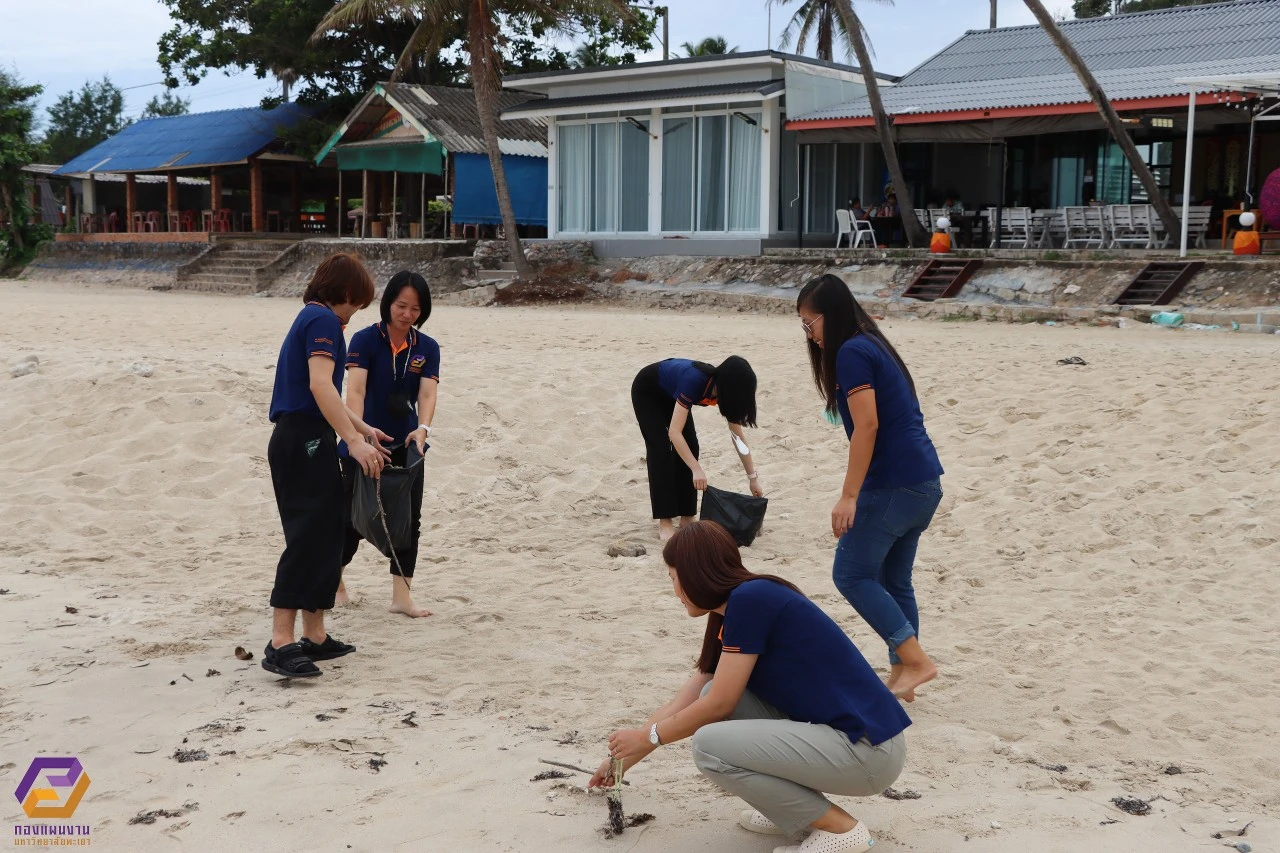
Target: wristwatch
{"points": [[427, 427], [653, 735]]}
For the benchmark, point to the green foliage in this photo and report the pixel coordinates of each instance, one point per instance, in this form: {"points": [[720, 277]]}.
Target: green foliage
{"points": [[166, 104], [821, 22], [710, 46], [604, 36], [79, 121], [19, 238], [1099, 8], [273, 39]]}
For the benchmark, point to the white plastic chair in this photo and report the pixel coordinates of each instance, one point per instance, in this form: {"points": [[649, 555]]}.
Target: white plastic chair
{"points": [[844, 225], [862, 228]]}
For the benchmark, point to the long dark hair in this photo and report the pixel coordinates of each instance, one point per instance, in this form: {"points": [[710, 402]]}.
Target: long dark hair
{"points": [[842, 318], [709, 567], [735, 389]]}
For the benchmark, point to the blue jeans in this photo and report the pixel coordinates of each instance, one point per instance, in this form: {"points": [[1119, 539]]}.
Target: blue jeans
{"points": [[875, 557]]}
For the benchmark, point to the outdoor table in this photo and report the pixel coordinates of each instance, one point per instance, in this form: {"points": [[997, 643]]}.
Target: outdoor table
{"points": [[887, 228], [966, 222], [1226, 222]]}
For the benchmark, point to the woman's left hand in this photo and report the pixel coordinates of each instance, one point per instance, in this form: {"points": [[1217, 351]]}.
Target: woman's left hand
{"points": [[842, 515], [757, 490], [629, 746]]}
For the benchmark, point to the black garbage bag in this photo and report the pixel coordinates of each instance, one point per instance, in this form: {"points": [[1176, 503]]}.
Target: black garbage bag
{"points": [[397, 500], [741, 515]]}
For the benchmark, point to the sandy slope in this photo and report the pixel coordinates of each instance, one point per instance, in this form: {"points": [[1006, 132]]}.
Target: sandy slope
{"points": [[1099, 588]]}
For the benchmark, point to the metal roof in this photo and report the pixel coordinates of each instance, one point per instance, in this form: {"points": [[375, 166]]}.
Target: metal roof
{"points": [[183, 142], [108, 177], [760, 89], [448, 114], [1133, 56], [678, 62]]}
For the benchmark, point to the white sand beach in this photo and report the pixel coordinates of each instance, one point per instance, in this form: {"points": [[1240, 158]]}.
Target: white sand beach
{"points": [[1099, 589]]}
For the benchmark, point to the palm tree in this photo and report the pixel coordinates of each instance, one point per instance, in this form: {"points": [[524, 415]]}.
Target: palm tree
{"points": [[820, 19], [482, 19], [591, 56], [710, 46], [852, 27], [1164, 210]]}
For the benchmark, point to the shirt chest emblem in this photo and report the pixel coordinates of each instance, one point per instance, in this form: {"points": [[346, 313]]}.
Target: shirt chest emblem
{"points": [[417, 363]]}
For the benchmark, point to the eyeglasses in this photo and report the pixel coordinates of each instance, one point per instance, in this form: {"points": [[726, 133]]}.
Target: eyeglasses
{"points": [[808, 327]]}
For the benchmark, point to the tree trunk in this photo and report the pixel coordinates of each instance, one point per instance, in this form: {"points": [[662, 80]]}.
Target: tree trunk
{"points": [[485, 81], [15, 227], [911, 226], [1164, 210]]}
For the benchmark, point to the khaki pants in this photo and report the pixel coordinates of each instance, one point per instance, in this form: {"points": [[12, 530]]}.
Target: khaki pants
{"points": [[782, 768]]}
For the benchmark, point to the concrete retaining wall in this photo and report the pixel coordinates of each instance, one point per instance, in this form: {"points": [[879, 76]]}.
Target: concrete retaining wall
{"points": [[133, 264], [447, 265]]}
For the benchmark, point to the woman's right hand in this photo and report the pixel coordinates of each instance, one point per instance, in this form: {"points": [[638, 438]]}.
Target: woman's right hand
{"points": [[699, 478], [603, 777], [367, 456]]}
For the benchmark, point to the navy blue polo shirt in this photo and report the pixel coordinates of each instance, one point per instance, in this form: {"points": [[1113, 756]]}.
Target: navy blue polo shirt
{"points": [[391, 373], [904, 454], [315, 331], [807, 668], [686, 384]]}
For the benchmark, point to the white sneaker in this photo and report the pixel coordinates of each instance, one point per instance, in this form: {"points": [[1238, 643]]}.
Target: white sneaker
{"points": [[856, 840], [752, 821]]}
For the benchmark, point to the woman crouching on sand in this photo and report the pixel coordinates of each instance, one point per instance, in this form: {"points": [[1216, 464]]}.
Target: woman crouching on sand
{"points": [[663, 396], [891, 487], [782, 707]]}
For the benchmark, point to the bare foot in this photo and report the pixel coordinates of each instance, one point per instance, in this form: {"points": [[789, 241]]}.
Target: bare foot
{"points": [[911, 677], [402, 601], [408, 608], [342, 599], [665, 530]]}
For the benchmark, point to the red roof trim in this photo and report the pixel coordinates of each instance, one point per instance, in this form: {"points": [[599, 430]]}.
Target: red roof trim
{"points": [[1171, 101]]}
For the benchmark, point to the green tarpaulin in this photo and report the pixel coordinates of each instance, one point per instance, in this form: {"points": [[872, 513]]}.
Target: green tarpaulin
{"points": [[425, 157]]}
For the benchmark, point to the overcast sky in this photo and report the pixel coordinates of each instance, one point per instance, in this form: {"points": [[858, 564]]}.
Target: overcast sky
{"points": [[63, 43]]}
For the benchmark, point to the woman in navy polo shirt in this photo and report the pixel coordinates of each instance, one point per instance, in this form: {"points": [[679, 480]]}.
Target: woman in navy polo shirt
{"points": [[782, 707], [307, 409], [663, 396], [392, 374], [891, 486]]}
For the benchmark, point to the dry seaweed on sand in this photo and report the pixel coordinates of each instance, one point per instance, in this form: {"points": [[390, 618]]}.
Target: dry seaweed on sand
{"points": [[904, 794], [1132, 805], [549, 774], [182, 756]]}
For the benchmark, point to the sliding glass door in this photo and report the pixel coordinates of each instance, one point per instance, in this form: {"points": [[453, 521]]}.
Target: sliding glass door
{"points": [[711, 172], [604, 176]]}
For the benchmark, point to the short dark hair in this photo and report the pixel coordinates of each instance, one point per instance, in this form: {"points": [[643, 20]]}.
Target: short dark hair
{"points": [[736, 391], [340, 279], [398, 282]]}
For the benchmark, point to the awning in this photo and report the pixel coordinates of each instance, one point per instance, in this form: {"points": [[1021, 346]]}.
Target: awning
{"points": [[416, 157]]}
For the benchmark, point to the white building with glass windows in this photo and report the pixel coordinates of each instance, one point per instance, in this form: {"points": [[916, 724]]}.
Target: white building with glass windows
{"points": [[688, 149]]}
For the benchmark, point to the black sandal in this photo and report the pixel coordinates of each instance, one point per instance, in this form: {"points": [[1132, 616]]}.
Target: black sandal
{"points": [[290, 661], [331, 648]]}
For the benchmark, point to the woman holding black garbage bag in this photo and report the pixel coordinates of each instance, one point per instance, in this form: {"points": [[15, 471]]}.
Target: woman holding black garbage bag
{"points": [[663, 396], [393, 371]]}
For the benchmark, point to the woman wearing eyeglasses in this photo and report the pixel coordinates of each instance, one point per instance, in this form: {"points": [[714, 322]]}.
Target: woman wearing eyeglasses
{"points": [[664, 396], [891, 483], [393, 371]]}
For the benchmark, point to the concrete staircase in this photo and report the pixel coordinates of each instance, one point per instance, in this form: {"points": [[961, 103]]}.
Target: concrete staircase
{"points": [[231, 265]]}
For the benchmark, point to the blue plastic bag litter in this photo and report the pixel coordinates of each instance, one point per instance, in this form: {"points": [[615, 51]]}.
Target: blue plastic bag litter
{"points": [[1166, 318]]}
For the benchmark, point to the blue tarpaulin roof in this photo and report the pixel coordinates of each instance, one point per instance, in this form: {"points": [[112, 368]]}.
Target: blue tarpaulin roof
{"points": [[183, 142], [475, 201]]}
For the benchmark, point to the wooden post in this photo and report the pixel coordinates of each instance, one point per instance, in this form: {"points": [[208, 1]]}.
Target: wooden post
{"points": [[215, 194], [342, 206], [171, 200], [395, 220], [130, 199], [364, 203], [295, 199], [69, 202], [422, 209], [257, 216]]}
